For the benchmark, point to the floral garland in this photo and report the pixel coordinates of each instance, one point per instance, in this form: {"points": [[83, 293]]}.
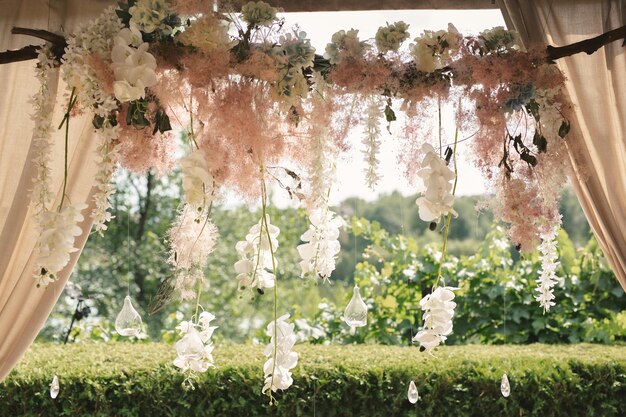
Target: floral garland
{"points": [[252, 96]]}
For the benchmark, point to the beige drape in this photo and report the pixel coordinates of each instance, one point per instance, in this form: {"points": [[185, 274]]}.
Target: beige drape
{"points": [[597, 86], [23, 307]]}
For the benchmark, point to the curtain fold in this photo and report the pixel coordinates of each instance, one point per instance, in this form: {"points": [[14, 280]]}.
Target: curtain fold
{"points": [[596, 85], [23, 307]]}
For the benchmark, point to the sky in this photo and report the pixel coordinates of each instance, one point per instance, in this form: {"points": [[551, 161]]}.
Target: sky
{"points": [[320, 26]]}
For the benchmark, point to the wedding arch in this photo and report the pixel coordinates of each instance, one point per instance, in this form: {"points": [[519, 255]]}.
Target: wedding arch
{"points": [[256, 104]]}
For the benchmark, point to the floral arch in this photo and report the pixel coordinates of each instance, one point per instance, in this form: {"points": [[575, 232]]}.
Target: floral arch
{"points": [[257, 104]]}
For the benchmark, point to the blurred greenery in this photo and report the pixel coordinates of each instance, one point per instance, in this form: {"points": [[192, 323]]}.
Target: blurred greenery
{"points": [[131, 257], [120, 379]]}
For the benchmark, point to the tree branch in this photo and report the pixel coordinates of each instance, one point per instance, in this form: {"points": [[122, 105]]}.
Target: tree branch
{"points": [[589, 46], [30, 52], [25, 54]]}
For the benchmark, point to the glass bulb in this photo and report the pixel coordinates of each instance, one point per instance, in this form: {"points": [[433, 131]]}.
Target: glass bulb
{"points": [[413, 394], [128, 321], [190, 346], [54, 387], [355, 314], [505, 386]]}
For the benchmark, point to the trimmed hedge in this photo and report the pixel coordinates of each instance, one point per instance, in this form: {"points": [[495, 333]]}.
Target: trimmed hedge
{"points": [[120, 379]]}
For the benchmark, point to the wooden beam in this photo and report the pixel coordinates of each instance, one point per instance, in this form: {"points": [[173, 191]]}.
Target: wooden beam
{"points": [[346, 5]]}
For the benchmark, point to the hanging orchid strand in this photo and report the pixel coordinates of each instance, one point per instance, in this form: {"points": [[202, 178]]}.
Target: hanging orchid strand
{"points": [[269, 238], [449, 217], [66, 121]]}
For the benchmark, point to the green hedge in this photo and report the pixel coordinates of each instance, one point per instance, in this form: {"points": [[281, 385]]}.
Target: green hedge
{"points": [[118, 379]]}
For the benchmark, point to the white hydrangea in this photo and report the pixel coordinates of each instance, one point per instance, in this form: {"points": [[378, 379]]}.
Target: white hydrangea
{"points": [[150, 15], [281, 359], [320, 251], [437, 177], [499, 39], [56, 241], [208, 34], [390, 37], [255, 267], [549, 264], [133, 66], [258, 13], [438, 309], [297, 49], [197, 180], [343, 45], [433, 50], [194, 350]]}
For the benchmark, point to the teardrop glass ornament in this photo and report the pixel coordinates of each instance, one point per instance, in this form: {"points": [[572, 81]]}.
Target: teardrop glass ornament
{"points": [[505, 386], [190, 347], [355, 314], [413, 394], [128, 321], [54, 387]]}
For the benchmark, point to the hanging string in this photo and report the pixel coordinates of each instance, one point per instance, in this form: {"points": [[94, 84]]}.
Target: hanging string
{"points": [[128, 236]]}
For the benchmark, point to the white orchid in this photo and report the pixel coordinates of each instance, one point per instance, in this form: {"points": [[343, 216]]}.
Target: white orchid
{"points": [[437, 177], [320, 252], [277, 368], [197, 180], [133, 66], [56, 241], [438, 309], [256, 256], [194, 349]]}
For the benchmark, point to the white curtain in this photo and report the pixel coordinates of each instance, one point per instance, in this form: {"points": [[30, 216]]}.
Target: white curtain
{"points": [[597, 87], [23, 307]]}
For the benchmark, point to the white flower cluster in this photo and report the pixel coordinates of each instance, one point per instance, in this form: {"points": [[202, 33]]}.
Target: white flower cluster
{"points": [[292, 56], [551, 112], [192, 239], [371, 141], [43, 105], [208, 34], [258, 13], [322, 245], [438, 309], [133, 66], [197, 180], [56, 241], [499, 39], [343, 45], [277, 368], [95, 39], [433, 50], [150, 15], [256, 263], [107, 165], [437, 176], [390, 37], [321, 170], [549, 264], [194, 349]]}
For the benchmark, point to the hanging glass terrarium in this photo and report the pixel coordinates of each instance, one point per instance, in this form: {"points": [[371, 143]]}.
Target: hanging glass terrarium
{"points": [[355, 314], [128, 321]]}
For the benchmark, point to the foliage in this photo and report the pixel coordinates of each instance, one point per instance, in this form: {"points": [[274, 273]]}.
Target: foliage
{"points": [[136, 380], [495, 297]]}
